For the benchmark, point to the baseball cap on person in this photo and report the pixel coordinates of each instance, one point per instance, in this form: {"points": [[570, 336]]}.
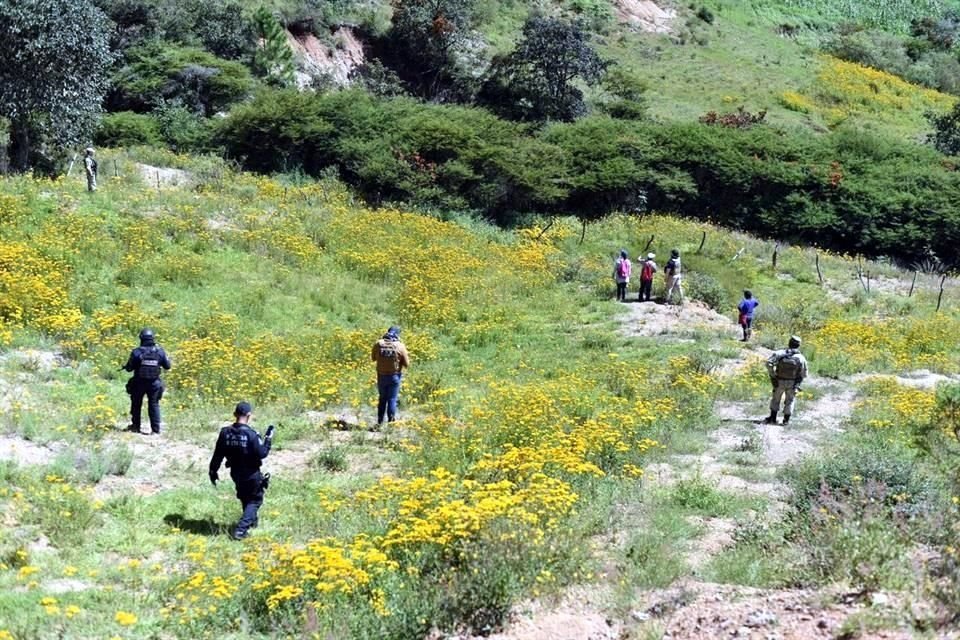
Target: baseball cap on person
{"points": [[243, 409], [651, 256], [394, 331]]}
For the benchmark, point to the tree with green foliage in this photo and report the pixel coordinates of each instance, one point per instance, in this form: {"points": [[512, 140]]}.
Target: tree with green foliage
{"points": [[273, 59], [425, 40], [536, 81], [53, 77], [125, 128], [942, 32], [219, 26], [133, 21], [946, 131], [160, 73], [626, 92]]}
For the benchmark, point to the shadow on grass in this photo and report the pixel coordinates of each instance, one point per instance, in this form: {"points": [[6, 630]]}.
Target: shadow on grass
{"points": [[206, 527]]}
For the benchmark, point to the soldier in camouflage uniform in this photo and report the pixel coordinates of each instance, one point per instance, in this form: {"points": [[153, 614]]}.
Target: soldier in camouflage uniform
{"points": [[90, 167], [787, 369]]}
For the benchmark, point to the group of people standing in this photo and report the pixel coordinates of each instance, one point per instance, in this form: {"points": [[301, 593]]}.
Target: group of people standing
{"points": [[786, 368], [242, 447], [623, 269]]}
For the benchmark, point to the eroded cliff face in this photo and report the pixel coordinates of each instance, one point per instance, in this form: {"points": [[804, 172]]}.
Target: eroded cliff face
{"points": [[646, 15], [316, 59]]}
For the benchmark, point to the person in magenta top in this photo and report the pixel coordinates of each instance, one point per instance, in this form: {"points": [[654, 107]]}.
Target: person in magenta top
{"points": [[621, 274]]}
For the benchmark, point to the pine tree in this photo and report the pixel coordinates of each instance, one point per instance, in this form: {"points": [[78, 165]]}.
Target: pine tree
{"points": [[273, 58]]}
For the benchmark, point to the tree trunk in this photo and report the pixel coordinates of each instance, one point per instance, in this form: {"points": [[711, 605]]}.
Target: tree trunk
{"points": [[19, 145]]}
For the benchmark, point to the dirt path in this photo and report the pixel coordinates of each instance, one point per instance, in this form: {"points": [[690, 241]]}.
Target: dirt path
{"points": [[693, 608]]}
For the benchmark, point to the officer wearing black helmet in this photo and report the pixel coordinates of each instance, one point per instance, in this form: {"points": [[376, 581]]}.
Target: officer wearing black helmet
{"points": [[244, 450], [146, 363]]}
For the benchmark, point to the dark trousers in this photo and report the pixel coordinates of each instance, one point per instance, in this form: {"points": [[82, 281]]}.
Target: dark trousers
{"points": [[646, 290], [621, 291], [389, 389], [153, 390], [250, 495]]}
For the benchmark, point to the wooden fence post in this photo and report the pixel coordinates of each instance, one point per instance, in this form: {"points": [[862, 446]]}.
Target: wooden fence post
{"points": [[943, 279]]}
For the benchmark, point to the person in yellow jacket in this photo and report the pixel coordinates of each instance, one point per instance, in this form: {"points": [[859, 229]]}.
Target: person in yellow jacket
{"points": [[392, 358]]}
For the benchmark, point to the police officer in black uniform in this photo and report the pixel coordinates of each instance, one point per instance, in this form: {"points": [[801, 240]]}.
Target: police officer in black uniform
{"points": [[145, 362], [244, 450]]}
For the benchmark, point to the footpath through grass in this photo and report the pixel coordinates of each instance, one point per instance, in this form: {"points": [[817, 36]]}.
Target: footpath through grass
{"points": [[528, 415], [521, 425]]}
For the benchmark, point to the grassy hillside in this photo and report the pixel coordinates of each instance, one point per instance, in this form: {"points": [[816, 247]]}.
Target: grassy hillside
{"points": [[764, 55], [529, 413]]}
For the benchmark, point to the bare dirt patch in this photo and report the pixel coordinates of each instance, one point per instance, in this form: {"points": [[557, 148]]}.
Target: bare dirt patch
{"points": [[24, 453], [650, 319], [719, 536], [645, 15], [920, 379], [35, 360], [702, 611], [163, 177], [577, 615]]}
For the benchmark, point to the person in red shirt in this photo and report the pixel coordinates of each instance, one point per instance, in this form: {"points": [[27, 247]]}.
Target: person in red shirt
{"points": [[646, 277]]}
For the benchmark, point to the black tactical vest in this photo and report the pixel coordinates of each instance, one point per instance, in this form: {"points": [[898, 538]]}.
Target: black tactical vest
{"points": [[149, 368]]}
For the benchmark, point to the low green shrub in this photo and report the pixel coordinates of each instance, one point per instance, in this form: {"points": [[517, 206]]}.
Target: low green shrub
{"points": [[848, 190], [127, 129], [700, 496], [870, 461], [333, 459], [707, 289]]}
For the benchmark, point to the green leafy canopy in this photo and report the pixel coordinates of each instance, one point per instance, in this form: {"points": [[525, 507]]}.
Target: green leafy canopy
{"points": [[55, 55]]}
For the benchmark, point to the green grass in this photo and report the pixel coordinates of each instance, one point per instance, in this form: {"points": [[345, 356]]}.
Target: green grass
{"points": [[698, 496], [744, 59], [553, 344]]}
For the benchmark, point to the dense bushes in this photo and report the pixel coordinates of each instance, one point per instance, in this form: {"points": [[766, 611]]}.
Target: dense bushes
{"points": [[125, 128], [849, 190], [159, 73], [922, 60], [454, 157], [216, 25]]}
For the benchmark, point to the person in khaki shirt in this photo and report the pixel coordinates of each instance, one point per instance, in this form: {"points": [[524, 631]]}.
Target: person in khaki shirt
{"points": [[392, 358]]}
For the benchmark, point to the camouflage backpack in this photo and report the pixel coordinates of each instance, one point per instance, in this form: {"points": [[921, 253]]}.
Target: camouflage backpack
{"points": [[788, 366]]}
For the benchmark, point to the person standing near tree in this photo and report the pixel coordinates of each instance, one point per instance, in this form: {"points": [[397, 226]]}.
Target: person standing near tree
{"points": [[671, 274], [646, 277], [90, 168], [746, 308], [787, 369], [392, 358], [621, 275]]}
